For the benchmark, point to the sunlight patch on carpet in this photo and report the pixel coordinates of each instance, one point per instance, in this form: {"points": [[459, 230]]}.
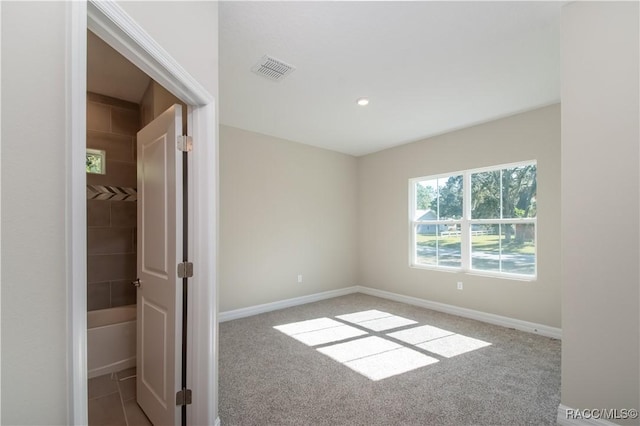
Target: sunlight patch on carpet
{"points": [[328, 335], [420, 334], [450, 346], [355, 349], [376, 320], [391, 363], [357, 317], [305, 326], [376, 358], [319, 331], [385, 355], [387, 323]]}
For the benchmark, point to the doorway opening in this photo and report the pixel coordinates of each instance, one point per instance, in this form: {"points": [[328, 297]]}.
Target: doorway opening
{"points": [[109, 21], [121, 101]]}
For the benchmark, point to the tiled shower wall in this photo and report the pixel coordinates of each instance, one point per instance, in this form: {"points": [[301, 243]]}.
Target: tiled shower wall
{"points": [[112, 125]]}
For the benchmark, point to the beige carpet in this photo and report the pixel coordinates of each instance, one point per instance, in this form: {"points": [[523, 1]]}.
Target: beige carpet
{"points": [[362, 360]]}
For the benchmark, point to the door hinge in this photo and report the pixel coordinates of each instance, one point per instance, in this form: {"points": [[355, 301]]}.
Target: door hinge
{"points": [[185, 143], [185, 270], [183, 397]]}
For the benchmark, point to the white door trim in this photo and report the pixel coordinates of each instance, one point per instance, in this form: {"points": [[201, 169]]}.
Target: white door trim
{"points": [[112, 24], [76, 212], [109, 21]]}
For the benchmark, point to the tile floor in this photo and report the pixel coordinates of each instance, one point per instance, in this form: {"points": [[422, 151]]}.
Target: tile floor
{"points": [[112, 400]]}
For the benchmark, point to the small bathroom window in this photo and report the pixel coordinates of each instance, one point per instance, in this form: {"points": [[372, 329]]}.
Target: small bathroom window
{"points": [[96, 161]]}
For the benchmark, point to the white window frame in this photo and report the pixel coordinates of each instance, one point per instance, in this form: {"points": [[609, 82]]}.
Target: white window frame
{"points": [[466, 223]]}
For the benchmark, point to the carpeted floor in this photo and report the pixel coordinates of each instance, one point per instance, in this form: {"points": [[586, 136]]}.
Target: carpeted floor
{"points": [[472, 373]]}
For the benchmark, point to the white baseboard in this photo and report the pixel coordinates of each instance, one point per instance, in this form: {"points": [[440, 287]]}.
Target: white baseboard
{"points": [[563, 419], [281, 304], [530, 327], [517, 324]]}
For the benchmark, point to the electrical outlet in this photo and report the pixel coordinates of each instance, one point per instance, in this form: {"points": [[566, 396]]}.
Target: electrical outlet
{"points": [[459, 285], [299, 278]]}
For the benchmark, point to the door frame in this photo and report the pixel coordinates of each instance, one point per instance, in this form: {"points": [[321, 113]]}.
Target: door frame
{"points": [[110, 22]]}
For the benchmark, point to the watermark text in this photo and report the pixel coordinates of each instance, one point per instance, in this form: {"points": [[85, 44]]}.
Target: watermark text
{"points": [[602, 413]]}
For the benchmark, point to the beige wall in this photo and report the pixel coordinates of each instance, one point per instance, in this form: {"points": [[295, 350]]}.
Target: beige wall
{"points": [[188, 30], [286, 209], [34, 291], [600, 184], [383, 215], [35, 358]]}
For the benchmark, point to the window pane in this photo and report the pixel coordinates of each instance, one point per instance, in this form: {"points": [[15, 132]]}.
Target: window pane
{"points": [[439, 199], [519, 192], [504, 248], [438, 245], [485, 247], [450, 248], [518, 249], [426, 193], [426, 245], [95, 162], [485, 195], [450, 197]]}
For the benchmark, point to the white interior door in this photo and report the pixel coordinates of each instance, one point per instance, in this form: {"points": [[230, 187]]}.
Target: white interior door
{"points": [[159, 252]]}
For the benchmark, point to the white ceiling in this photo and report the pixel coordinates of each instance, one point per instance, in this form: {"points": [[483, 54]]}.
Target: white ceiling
{"points": [[109, 73], [427, 67]]}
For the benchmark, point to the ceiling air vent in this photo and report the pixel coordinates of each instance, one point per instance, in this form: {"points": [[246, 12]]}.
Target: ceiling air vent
{"points": [[272, 68]]}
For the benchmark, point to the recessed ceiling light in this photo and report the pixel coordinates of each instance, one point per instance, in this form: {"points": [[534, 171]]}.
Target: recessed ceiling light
{"points": [[363, 101]]}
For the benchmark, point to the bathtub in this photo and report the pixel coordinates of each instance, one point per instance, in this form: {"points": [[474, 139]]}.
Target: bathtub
{"points": [[111, 340]]}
